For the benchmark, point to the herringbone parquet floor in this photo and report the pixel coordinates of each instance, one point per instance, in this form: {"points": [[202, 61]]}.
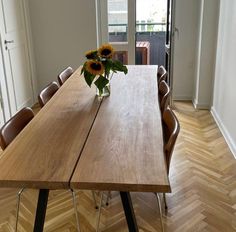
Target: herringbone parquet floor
{"points": [[203, 198]]}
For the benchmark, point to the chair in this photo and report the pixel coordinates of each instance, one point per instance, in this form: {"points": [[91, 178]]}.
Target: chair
{"points": [[64, 75], [46, 94], [161, 74], [163, 96], [171, 130], [14, 126], [8, 133]]}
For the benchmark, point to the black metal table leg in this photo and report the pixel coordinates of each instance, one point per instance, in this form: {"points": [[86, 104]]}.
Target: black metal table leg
{"points": [[129, 211], [41, 210]]}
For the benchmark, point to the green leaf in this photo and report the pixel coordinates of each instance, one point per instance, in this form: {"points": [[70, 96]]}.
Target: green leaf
{"points": [[108, 63], [88, 77], [83, 69], [118, 66], [101, 82]]}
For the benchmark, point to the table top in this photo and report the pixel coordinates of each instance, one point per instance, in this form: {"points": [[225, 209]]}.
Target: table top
{"points": [[81, 141], [45, 153], [124, 150]]}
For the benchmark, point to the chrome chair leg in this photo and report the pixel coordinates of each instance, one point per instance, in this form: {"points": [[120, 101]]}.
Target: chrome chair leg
{"points": [[94, 199], [108, 197], [99, 212], [164, 198], [160, 210], [76, 209], [18, 206]]}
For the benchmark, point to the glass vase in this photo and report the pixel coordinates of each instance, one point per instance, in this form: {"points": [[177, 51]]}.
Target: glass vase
{"points": [[105, 91]]}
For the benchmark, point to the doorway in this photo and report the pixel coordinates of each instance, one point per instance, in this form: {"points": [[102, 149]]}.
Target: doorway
{"points": [[136, 29]]}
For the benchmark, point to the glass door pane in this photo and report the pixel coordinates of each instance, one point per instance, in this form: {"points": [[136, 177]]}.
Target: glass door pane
{"points": [[117, 28], [117, 20]]}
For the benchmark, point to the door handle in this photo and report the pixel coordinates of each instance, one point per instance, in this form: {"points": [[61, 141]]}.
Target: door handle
{"points": [[8, 41]]}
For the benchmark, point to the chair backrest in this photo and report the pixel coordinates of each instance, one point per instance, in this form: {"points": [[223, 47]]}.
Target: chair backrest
{"points": [[64, 75], [14, 126], [161, 74], [163, 95], [171, 130], [47, 93]]}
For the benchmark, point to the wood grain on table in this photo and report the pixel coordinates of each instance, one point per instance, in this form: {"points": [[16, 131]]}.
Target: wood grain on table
{"points": [[45, 153], [124, 150]]}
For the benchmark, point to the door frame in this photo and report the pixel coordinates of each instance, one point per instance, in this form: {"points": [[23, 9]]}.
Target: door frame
{"points": [[32, 73], [4, 101], [170, 41]]}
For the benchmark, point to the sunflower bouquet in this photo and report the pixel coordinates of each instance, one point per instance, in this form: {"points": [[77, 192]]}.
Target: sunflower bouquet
{"points": [[99, 65]]}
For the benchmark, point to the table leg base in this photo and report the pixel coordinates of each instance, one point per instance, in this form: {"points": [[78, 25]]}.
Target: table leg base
{"points": [[41, 210], [129, 211]]}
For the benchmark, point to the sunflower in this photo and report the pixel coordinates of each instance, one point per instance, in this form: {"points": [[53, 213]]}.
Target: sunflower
{"points": [[106, 51], [94, 67], [91, 54]]}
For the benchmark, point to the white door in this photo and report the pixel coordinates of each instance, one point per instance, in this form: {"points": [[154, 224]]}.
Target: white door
{"points": [[15, 55], [1, 112], [118, 16]]}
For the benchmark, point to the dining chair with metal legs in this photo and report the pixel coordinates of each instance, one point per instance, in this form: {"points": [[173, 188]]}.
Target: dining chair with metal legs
{"points": [[163, 96], [75, 209], [64, 75], [164, 101], [161, 74], [8, 133], [171, 128], [46, 93]]}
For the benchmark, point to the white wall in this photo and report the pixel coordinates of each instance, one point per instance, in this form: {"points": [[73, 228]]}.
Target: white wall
{"points": [[63, 30], [224, 102], [185, 52], [194, 54], [205, 62]]}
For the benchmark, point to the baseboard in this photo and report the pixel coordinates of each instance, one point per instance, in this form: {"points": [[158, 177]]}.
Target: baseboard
{"points": [[182, 98], [224, 131], [200, 106]]}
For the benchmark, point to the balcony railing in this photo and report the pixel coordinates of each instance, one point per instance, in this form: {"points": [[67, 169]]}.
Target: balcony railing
{"points": [[154, 33], [140, 27]]}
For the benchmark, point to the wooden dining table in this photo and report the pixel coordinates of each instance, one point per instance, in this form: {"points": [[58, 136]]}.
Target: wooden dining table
{"points": [[81, 141]]}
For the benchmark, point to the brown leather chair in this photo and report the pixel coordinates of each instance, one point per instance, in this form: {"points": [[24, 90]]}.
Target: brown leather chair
{"points": [[161, 74], [8, 133], [163, 95], [64, 75], [47, 93], [171, 128], [14, 126]]}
